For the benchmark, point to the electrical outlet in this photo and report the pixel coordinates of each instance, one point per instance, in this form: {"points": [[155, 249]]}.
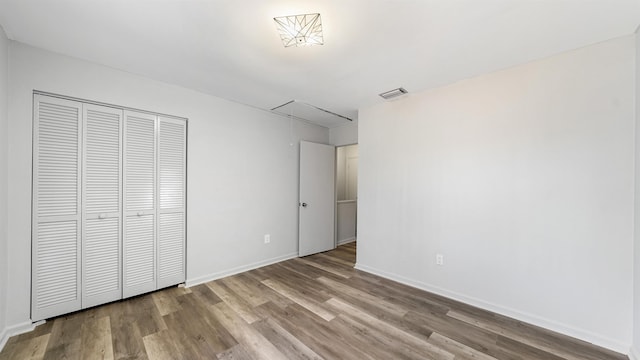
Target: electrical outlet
{"points": [[439, 259], [267, 238]]}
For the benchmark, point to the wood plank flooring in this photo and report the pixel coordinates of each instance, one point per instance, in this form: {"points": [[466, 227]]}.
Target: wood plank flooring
{"points": [[317, 307]]}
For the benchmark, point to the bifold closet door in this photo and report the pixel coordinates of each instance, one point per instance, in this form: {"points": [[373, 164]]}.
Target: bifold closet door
{"points": [[172, 161], [108, 212], [102, 205], [56, 211], [139, 232]]}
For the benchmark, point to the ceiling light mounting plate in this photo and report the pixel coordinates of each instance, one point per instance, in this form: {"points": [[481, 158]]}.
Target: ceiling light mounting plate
{"points": [[300, 30]]}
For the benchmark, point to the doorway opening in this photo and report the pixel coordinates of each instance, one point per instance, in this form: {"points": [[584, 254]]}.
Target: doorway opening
{"points": [[346, 194]]}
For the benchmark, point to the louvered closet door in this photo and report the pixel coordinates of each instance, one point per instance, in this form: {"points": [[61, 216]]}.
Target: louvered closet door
{"points": [[172, 137], [139, 243], [102, 250], [56, 207]]}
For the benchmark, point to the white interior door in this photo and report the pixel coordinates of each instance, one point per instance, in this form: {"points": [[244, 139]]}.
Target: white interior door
{"points": [[56, 224], [317, 198], [101, 216], [172, 162], [139, 245]]}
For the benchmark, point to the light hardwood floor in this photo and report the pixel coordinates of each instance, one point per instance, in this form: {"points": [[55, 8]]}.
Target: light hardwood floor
{"points": [[309, 308]]}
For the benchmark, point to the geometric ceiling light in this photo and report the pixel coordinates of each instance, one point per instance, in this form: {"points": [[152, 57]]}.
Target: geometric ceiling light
{"points": [[300, 30]]}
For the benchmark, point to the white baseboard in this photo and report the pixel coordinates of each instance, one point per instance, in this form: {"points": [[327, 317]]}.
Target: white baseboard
{"points": [[584, 335], [634, 353], [210, 277], [346, 241], [13, 330]]}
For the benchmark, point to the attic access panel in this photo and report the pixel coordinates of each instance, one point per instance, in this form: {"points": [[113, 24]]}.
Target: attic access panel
{"points": [[311, 113]]}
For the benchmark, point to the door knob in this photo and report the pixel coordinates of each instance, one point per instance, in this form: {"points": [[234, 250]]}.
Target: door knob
{"points": [[304, 204]]}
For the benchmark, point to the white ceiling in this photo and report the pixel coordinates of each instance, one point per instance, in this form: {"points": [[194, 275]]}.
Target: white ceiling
{"points": [[231, 49]]}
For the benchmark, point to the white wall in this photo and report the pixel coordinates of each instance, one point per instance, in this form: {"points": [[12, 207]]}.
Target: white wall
{"points": [[347, 206], [523, 179], [344, 135], [343, 182], [346, 213], [242, 166], [4, 64], [635, 351], [341, 173]]}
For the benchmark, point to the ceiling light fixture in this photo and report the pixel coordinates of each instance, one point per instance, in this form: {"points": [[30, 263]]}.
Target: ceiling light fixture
{"points": [[300, 30], [393, 93]]}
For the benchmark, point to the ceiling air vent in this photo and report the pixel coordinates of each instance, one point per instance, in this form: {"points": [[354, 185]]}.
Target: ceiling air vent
{"points": [[393, 93]]}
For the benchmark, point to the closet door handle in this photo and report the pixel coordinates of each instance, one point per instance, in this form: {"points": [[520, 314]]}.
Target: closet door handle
{"points": [[140, 213], [101, 216]]}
